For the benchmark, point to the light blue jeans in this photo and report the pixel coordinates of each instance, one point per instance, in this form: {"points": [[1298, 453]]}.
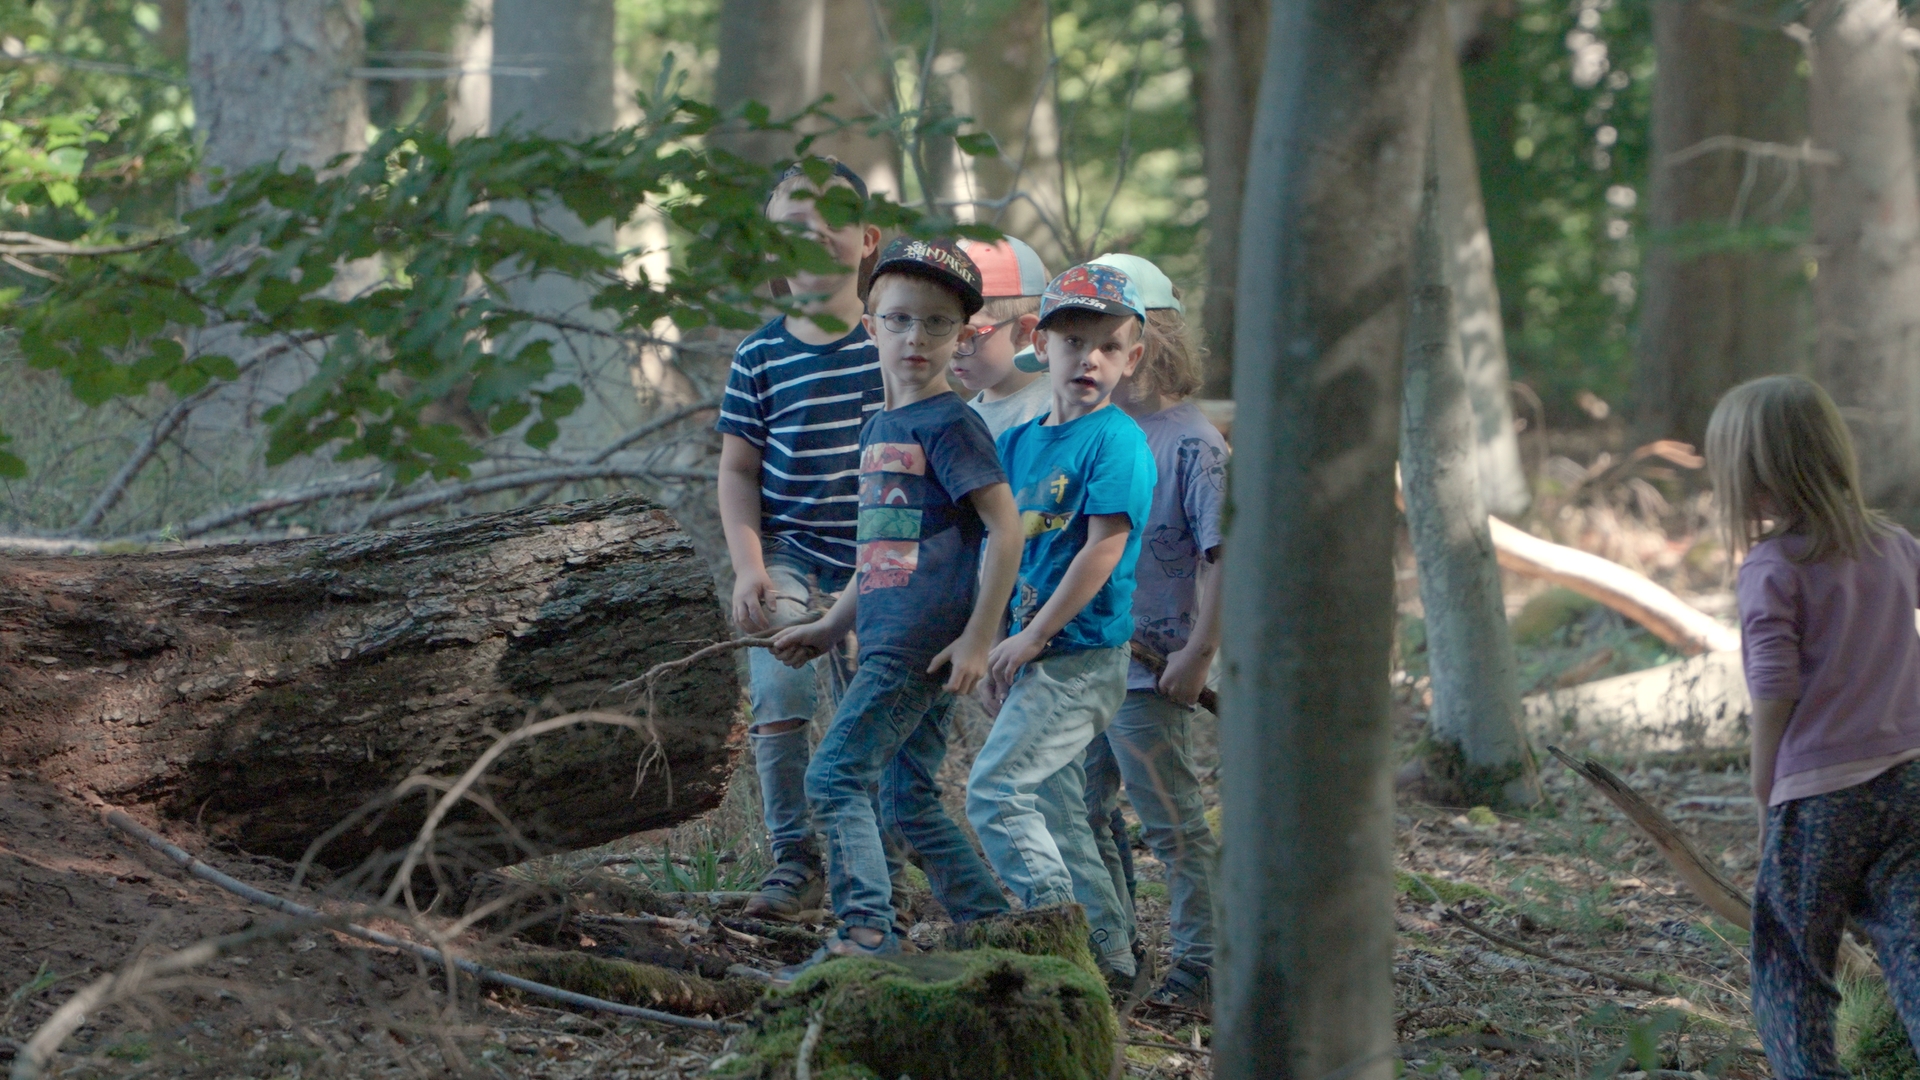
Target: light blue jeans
{"points": [[1147, 746], [778, 692], [1026, 795], [890, 734]]}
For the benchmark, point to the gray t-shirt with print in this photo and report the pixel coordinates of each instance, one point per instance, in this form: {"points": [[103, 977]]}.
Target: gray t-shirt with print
{"points": [[1031, 400], [1184, 524]]}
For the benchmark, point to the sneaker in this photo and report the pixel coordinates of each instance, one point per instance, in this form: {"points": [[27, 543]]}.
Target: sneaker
{"points": [[789, 891], [840, 944], [1189, 984]]}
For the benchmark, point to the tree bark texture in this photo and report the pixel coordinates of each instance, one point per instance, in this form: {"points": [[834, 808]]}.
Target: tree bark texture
{"points": [[1477, 753], [1866, 225], [1230, 89], [1723, 301], [785, 54], [272, 78], [1476, 298], [269, 691], [1009, 73], [1332, 187]]}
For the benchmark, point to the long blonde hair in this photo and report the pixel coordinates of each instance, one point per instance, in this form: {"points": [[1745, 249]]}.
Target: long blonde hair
{"points": [[1782, 462], [1171, 366]]}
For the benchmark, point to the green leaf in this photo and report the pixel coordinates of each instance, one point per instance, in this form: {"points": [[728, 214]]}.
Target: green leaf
{"points": [[542, 433], [11, 467], [977, 144]]}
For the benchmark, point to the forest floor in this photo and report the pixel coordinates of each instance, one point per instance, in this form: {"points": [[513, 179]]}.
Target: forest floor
{"points": [[1573, 881], [1593, 907]]}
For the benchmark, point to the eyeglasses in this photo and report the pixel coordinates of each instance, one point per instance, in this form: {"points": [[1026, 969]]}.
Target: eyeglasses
{"points": [[967, 347], [937, 326]]}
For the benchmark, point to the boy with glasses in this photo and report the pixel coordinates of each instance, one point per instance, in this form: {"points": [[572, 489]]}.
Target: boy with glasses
{"points": [[989, 364], [930, 488]]}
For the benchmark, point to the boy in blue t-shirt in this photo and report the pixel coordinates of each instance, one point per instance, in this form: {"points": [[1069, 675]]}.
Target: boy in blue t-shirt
{"points": [[789, 484], [1083, 478], [930, 487]]}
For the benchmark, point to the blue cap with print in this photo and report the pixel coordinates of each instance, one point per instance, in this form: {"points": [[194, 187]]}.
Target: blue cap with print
{"points": [[1106, 290]]}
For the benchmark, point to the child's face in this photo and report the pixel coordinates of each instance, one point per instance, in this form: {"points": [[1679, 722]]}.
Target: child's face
{"points": [[848, 244], [1087, 355], [913, 360], [991, 361]]}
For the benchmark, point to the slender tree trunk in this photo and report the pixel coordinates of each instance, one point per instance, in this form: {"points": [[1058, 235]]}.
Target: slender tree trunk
{"points": [[1307, 880], [571, 42], [272, 79], [1720, 308], [1866, 224], [470, 104], [270, 691], [1477, 752], [1009, 72], [1476, 298], [1230, 88]]}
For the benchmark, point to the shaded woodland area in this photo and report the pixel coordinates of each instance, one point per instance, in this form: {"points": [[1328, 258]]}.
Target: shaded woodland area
{"points": [[359, 546]]}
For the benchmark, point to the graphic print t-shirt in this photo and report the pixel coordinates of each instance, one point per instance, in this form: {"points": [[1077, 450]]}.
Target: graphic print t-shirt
{"points": [[802, 407], [1098, 464], [919, 563], [1187, 502]]}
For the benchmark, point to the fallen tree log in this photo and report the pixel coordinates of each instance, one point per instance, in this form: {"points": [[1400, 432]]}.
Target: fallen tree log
{"points": [[271, 691], [1672, 619]]}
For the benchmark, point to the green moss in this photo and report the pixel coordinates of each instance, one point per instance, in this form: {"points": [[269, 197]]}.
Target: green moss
{"points": [[1053, 931], [981, 1014], [1152, 890], [1873, 1043], [633, 984], [1452, 892], [1548, 612], [1483, 816], [1451, 781]]}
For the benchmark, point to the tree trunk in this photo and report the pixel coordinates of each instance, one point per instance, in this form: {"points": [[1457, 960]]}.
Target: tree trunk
{"points": [[1866, 224], [1307, 880], [1230, 89], [272, 79], [1476, 298], [269, 691], [571, 42], [1477, 753], [1008, 72], [1724, 304]]}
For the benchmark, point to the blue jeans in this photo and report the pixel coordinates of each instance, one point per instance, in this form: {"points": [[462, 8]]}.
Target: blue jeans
{"points": [[778, 692], [1147, 746], [890, 734], [1855, 852], [1026, 795]]}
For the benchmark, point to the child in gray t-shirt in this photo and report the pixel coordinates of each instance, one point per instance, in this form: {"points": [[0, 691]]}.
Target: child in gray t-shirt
{"points": [[998, 366], [1176, 604]]}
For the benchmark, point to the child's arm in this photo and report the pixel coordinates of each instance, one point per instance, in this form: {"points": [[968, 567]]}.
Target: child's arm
{"points": [[1187, 667], [796, 645], [970, 650], [740, 520], [1089, 570], [1769, 727]]}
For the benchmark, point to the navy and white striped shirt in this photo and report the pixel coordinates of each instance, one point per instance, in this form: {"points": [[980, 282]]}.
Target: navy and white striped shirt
{"points": [[803, 406]]}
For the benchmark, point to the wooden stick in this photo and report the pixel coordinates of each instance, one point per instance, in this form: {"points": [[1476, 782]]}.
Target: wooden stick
{"points": [[1552, 957], [1157, 664], [1726, 899]]}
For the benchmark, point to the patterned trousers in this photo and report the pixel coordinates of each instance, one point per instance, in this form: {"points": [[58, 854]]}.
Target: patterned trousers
{"points": [[1850, 852]]}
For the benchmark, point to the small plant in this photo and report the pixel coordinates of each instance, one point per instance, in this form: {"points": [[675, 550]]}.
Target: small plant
{"points": [[708, 869]]}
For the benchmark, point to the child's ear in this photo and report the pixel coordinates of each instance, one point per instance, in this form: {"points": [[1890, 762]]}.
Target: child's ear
{"points": [[1134, 354], [869, 240], [872, 328], [1025, 330], [1039, 344]]}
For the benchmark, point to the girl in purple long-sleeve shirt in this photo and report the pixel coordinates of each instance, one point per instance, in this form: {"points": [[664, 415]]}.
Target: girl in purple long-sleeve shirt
{"points": [[1827, 596]]}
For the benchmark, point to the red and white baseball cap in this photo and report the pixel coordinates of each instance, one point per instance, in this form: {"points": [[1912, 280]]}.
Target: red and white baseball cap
{"points": [[1008, 267]]}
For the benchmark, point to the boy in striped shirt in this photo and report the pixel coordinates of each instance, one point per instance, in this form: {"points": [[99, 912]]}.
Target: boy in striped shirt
{"points": [[790, 423]]}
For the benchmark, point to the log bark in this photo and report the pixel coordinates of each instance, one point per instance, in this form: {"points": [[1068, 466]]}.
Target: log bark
{"points": [[1671, 619], [1866, 225], [270, 691], [1306, 987], [1723, 302], [1477, 753]]}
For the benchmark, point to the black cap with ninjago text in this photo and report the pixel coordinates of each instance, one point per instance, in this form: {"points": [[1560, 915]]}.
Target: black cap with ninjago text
{"points": [[940, 261]]}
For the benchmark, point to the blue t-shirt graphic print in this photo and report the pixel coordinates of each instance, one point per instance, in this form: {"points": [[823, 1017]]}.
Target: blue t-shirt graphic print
{"points": [[919, 539], [1098, 464]]}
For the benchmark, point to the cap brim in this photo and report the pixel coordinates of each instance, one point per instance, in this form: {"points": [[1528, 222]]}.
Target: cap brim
{"points": [[970, 299], [1094, 304]]}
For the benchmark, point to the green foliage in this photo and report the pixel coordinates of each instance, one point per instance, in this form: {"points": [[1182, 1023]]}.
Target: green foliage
{"points": [[1561, 110], [440, 325], [1872, 1041], [704, 872]]}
